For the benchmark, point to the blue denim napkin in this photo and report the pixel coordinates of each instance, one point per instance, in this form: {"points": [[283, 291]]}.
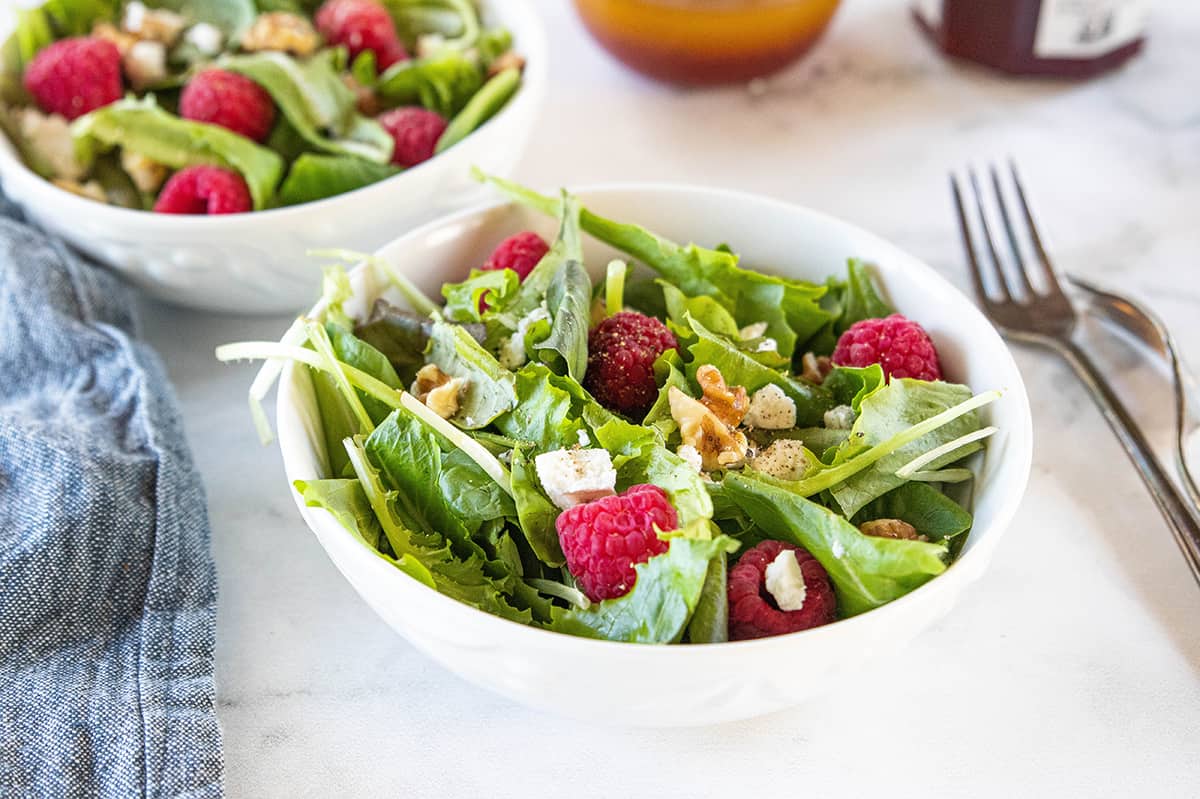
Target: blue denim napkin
{"points": [[107, 584]]}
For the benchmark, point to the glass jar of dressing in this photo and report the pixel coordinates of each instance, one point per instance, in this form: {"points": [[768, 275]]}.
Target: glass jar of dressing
{"points": [[1064, 38]]}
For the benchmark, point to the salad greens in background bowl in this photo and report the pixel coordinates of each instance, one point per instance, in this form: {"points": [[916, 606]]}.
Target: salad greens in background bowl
{"points": [[460, 523], [346, 147]]}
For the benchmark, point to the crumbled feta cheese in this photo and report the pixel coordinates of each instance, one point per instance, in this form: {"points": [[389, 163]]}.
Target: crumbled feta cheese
{"points": [[770, 409], [574, 476], [429, 43], [584, 440], [692, 456], [756, 330], [840, 418], [135, 15], [767, 345], [148, 175], [512, 350], [204, 37], [49, 137], [785, 581], [146, 63], [784, 459]]}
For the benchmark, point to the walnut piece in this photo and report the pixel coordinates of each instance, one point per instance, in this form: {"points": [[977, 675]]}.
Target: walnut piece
{"points": [[719, 445], [438, 390], [49, 138], [365, 99], [815, 368], [148, 175], [891, 528], [110, 33], [728, 404], [508, 60], [91, 190], [155, 25], [282, 31]]}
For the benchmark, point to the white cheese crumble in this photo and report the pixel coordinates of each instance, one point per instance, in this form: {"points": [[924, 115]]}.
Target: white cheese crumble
{"points": [[767, 345], [146, 63], [574, 476], [584, 440], [692, 456], [50, 139], [840, 418], [512, 350], [204, 37], [785, 582], [753, 331], [770, 409], [784, 459]]}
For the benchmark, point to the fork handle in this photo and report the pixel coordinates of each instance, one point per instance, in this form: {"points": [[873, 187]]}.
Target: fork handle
{"points": [[1174, 507]]}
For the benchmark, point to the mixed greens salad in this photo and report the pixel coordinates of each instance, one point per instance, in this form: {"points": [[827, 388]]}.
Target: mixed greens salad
{"points": [[104, 112], [464, 480]]}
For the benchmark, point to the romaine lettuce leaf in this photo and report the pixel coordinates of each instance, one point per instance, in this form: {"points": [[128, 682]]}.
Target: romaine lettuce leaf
{"points": [[569, 298], [143, 127], [850, 385], [354, 351], [710, 621], [657, 610], [463, 299], [866, 571], [668, 373], [347, 502], [546, 414], [315, 177], [535, 512], [861, 298], [318, 105], [482, 106], [443, 83], [934, 514]]}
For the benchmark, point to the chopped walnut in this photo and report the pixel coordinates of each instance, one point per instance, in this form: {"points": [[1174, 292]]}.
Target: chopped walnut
{"points": [[148, 175], [507, 60], [891, 528], [815, 368], [49, 138], [728, 404], [156, 25], [365, 99], [438, 390], [91, 190], [719, 445], [282, 31], [110, 33]]}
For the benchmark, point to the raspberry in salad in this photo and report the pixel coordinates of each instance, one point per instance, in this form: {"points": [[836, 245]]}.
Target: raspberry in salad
{"points": [[899, 345], [656, 450], [204, 190], [305, 102], [74, 76]]}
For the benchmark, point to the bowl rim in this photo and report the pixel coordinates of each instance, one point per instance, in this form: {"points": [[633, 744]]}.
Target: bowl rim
{"points": [[957, 570], [533, 82]]}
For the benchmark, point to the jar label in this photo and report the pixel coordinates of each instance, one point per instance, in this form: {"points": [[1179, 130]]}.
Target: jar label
{"points": [[1088, 28]]}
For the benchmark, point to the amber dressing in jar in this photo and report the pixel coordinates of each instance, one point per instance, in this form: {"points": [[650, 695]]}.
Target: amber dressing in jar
{"points": [[1064, 38], [706, 41]]}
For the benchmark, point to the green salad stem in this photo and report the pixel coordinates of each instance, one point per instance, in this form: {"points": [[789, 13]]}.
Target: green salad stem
{"points": [[614, 286]]}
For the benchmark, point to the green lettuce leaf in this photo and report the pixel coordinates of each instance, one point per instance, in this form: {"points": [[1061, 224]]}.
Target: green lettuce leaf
{"points": [[546, 414], [490, 390], [890, 410], [789, 307], [143, 127], [850, 385], [668, 373], [231, 16], [739, 369], [357, 353], [443, 83], [866, 571], [347, 502], [456, 20], [484, 105], [316, 102], [710, 621], [657, 610], [315, 177], [492, 286], [535, 512], [569, 297], [934, 514], [861, 299]]}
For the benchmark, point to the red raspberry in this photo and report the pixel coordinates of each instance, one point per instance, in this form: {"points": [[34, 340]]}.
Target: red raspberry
{"points": [[361, 25], [519, 253], [204, 190], [74, 76], [752, 610], [603, 539], [415, 131], [230, 100], [621, 354], [899, 345]]}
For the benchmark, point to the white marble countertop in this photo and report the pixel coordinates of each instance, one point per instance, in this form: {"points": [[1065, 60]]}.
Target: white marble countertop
{"points": [[1072, 669]]}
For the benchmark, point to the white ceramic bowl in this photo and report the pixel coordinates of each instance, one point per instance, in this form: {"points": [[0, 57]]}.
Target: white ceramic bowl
{"points": [[257, 262], [709, 683]]}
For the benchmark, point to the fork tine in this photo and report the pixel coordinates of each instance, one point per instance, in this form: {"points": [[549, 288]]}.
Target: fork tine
{"points": [[1053, 284], [997, 268], [976, 274], [1022, 273]]}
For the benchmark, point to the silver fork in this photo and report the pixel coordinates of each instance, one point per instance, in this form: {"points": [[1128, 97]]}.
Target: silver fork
{"points": [[1044, 315]]}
